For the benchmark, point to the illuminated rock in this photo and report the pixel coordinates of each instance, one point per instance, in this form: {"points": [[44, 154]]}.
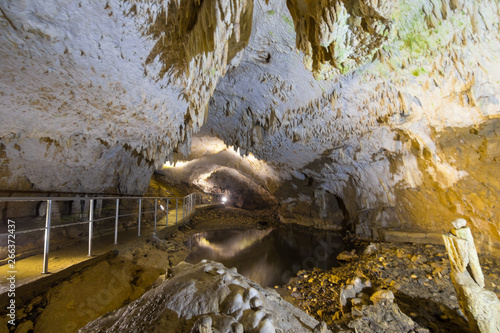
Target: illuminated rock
{"points": [[209, 298], [481, 306]]}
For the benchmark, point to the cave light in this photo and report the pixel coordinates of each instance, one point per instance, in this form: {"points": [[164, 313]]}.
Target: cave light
{"points": [[178, 164], [202, 181]]}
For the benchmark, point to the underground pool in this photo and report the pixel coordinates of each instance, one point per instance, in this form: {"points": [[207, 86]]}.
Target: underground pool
{"points": [[268, 256]]}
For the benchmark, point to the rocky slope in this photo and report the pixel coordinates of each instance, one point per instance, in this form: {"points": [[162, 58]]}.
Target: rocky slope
{"points": [[206, 297]]}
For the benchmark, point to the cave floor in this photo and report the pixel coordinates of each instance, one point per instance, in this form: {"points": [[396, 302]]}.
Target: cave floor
{"points": [[418, 275]]}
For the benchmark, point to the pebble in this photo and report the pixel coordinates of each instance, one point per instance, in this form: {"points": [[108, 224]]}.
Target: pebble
{"points": [[414, 270]]}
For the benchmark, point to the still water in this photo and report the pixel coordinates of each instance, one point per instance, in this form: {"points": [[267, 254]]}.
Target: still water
{"points": [[269, 257]]}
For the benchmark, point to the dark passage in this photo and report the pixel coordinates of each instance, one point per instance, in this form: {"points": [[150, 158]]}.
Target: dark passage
{"points": [[268, 257]]}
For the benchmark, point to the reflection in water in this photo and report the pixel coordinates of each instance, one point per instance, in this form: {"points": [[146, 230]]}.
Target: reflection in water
{"points": [[268, 257]]}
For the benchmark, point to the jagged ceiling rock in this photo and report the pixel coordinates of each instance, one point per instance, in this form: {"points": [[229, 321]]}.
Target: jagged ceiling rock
{"points": [[93, 95], [379, 138], [212, 166], [338, 36]]}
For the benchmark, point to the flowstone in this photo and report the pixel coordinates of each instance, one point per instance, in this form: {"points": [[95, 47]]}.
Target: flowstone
{"points": [[207, 298]]}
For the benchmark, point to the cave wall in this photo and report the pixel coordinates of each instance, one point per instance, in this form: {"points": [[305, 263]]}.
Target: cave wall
{"points": [[213, 167], [94, 95], [407, 139]]}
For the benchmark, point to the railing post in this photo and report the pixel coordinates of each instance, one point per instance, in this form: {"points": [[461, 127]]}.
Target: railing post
{"points": [[91, 225], [156, 210], [176, 209], [166, 223], [139, 222], [116, 220], [47, 238]]}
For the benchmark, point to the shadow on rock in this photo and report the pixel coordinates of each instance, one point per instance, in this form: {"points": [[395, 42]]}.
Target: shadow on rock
{"points": [[438, 318]]}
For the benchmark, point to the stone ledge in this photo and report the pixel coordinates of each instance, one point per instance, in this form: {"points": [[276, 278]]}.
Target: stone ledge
{"points": [[410, 236]]}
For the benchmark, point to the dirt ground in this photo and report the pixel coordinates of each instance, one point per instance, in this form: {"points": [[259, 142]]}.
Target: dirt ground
{"points": [[417, 274]]}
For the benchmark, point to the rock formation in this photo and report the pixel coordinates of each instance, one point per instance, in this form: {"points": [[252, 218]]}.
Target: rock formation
{"points": [[204, 298], [93, 96], [482, 307], [417, 124]]}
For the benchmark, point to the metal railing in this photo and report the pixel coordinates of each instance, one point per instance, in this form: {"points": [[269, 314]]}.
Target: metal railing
{"points": [[165, 204]]}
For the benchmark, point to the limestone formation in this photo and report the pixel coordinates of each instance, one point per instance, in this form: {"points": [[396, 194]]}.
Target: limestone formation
{"points": [[481, 306], [207, 297], [338, 36], [418, 123], [94, 95]]}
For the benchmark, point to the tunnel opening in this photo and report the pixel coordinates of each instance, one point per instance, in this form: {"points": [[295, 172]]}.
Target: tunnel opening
{"points": [[213, 167]]}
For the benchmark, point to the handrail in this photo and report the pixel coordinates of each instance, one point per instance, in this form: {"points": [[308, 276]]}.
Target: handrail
{"points": [[189, 203], [80, 198]]}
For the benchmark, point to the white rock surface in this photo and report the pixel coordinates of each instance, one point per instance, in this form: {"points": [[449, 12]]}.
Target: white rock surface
{"points": [[93, 95], [481, 306], [206, 297]]}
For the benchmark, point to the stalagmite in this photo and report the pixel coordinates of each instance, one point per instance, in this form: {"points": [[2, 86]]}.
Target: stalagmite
{"points": [[482, 307]]}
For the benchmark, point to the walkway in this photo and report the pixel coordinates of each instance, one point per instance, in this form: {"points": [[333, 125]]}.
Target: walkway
{"points": [[29, 269]]}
